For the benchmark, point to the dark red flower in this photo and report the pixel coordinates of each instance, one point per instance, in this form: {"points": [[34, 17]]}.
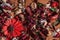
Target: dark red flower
{"points": [[12, 28], [55, 4]]}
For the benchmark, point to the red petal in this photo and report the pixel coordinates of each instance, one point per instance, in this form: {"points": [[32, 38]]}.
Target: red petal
{"points": [[55, 4], [18, 33], [7, 38], [6, 32], [7, 23], [10, 35], [19, 27], [17, 23], [14, 34], [13, 21], [4, 28]]}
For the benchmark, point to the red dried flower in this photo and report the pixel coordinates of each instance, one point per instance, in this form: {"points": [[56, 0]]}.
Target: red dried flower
{"points": [[55, 4], [12, 28]]}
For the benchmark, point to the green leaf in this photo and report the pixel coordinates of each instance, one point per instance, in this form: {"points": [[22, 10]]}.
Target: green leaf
{"points": [[53, 9]]}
